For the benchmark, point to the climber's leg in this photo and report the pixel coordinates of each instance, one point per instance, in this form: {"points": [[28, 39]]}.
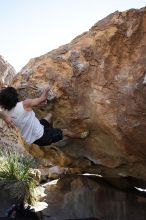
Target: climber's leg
{"points": [[70, 134]]}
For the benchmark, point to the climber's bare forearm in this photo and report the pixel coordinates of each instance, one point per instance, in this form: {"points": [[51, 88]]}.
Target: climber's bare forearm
{"points": [[29, 103]]}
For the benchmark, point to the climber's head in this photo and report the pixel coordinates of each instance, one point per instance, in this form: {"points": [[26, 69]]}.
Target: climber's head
{"points": [[8, 98]]}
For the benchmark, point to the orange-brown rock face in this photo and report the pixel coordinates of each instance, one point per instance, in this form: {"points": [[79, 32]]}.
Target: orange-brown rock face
{"points": [[98, 83]]}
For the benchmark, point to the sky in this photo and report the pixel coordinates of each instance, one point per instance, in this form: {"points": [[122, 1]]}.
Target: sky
{"points": [[31, 28]]}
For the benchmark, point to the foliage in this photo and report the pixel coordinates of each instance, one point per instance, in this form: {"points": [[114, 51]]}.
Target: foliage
{"points": [[14, 175]]}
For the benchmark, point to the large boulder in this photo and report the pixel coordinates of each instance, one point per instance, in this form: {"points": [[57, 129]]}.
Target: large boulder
{"points": [[97, 83]]}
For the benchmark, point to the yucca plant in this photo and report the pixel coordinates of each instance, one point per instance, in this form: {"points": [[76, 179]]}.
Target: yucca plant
{"points": [[14, 175]]}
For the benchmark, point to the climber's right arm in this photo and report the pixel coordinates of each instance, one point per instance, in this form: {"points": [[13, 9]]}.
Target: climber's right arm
{"points": [[29, 103]]}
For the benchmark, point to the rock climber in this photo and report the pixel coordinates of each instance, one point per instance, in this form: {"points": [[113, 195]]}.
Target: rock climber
{"points": [[20, 114]]}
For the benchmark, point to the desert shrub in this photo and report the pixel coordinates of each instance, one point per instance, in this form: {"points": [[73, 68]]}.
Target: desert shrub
{"points": [[14, 176]]}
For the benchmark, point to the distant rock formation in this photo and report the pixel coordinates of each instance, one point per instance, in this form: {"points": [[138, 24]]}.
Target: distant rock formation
{"points": [[7, 72]]}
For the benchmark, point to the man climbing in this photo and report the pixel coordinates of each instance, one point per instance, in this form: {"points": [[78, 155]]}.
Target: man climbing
{"points": [[20, 114]]}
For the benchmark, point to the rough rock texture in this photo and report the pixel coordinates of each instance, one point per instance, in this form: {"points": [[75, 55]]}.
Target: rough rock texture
{"points": [[81, 197], [9, 138], [7, 72], [97, 83]]}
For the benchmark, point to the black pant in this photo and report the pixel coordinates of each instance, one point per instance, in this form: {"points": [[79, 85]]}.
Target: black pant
{"points": [[51, 135]]}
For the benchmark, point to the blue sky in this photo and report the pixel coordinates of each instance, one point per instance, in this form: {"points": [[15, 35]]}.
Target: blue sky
{"points": [[30, 28]]}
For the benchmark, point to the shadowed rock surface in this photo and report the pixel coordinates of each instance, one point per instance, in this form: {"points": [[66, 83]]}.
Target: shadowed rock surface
{"points": [[80, 197]]}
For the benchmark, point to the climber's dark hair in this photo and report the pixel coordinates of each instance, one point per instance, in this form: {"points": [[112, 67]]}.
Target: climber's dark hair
{"points": [[8, 98]]}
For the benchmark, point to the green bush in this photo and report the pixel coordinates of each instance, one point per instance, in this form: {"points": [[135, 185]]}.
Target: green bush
{"points": [[14, 176]]}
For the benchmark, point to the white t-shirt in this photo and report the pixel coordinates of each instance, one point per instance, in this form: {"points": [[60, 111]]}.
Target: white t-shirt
{"points": [[30, 127]]}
